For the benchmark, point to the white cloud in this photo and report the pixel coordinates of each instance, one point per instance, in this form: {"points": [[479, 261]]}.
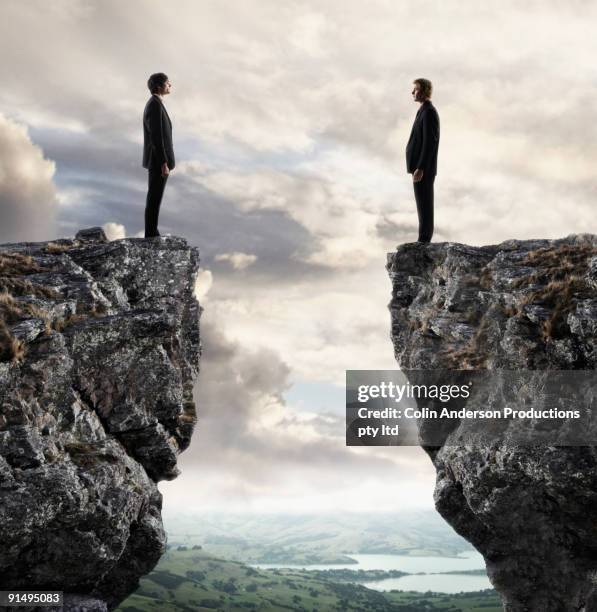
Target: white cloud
{"points": [[114, 231], [254, 453], [203, 284], [322, 326], [341, 221], [239, 261], [28, 199]]}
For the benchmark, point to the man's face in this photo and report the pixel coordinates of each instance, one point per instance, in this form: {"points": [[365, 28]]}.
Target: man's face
{"points": [[165, 88], [416, 92]]}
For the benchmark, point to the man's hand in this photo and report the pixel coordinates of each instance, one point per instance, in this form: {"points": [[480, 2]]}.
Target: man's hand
{"points": [[417, 175], [165, 169]]}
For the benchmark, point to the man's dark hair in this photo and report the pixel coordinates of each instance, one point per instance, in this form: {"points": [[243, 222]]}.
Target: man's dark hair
{"points": [[426, 87], [156, 81]]}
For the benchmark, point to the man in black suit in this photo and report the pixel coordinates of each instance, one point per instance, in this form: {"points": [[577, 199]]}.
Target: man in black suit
{"points": [[158, 153], [421, 155]]}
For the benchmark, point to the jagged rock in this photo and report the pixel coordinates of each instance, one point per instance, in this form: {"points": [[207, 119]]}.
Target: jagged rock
{"points": [[91, 234], [99, 350], [520, 305]]}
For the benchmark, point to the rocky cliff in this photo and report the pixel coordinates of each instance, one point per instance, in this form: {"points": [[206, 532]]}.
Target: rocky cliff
{"points": [[520, 305], [99, 349]]}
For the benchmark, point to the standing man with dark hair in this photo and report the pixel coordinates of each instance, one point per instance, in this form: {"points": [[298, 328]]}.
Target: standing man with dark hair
{"points": [[158, 153], [421, 155]]}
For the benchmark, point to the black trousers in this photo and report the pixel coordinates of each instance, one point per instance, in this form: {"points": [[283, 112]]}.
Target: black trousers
{"points": [[424, 199], [156, 184]]}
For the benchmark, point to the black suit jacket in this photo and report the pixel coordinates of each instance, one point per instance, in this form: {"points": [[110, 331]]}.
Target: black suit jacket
{"points": [[157, 135], [421, 150]]}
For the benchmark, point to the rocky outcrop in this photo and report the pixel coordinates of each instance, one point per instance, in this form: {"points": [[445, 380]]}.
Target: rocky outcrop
{"points": [[99, 350], [520, 305]]}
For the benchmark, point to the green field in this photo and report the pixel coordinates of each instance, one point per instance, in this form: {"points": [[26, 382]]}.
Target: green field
{"points": [[193, 580]]}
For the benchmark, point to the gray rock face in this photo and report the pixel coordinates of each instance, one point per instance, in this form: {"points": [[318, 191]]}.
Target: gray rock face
{"points": [[520, 305], [99, 350]]}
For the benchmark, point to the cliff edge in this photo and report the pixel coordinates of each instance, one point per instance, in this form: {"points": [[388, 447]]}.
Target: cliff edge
{"points": [[99, 350], [520, 305]]}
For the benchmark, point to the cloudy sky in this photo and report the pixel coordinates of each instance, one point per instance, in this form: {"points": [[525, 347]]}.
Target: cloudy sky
{"points": [[290, 122]]}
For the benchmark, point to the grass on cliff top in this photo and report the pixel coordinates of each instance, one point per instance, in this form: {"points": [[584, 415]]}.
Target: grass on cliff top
{"points": [[60, 247], [558, 282], [562, 276], [11, 312], [17, 264], [193, 579], [11, 348], [13, 267]]}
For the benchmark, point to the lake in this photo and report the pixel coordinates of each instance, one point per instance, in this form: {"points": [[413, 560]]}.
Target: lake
{"points": [[442, 583]]}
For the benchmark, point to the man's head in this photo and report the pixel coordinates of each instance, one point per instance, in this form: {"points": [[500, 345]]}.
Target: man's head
{"points": [[422, 90], [159, 84]]}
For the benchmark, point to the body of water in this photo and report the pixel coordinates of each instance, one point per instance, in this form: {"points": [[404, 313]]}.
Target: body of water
{"points": [[442, 583]]}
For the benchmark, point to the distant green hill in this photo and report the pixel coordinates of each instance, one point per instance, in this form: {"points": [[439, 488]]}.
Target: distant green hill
{"points": [[315, 539], [193, 580]]}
